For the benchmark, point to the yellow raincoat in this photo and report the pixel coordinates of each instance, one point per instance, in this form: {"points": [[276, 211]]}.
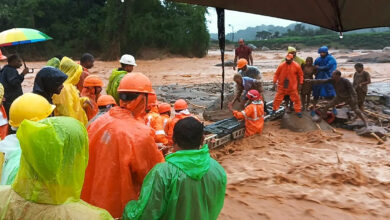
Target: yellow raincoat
{"points": [[51, 174], [68, 102]]}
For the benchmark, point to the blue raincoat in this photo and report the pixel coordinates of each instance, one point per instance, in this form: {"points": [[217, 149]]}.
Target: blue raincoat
{"points": [[326, 67]]}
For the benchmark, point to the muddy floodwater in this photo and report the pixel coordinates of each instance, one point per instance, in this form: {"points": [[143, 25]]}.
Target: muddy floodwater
{"points": [[282, 174]]}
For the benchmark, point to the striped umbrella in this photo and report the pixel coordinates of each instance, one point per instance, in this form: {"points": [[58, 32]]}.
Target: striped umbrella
{"points": [[16, 36]]}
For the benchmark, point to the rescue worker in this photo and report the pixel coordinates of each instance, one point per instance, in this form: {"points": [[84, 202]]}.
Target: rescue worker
{"points": [[104, 103], [68, 102], [248, 71], [164, 109], [325, 65], [50, 178], [286, 76], [122, 149], [12, 80], [344, 93], [243, 85], [127, 65], [253, 114], [86, 61], [4, 128], [181, 111], [189, 185], [49, 81], [155, 121], [93, 86], [28, 106]]}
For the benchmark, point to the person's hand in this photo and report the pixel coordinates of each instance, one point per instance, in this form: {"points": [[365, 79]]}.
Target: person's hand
{"points": [[299, 87], [234, 67], [25, 71]]}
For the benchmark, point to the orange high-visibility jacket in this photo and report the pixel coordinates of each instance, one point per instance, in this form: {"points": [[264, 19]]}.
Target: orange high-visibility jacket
{"points": [[121, 152], [293, 72], [254, 118], [154, 120]]}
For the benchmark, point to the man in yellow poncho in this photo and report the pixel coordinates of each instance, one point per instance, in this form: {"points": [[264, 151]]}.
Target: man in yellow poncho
{"points": [[127, 64], [51, 174], [68, 102]]}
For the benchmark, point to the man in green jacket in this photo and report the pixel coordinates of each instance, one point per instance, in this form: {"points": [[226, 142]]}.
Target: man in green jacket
{"points": [[189, 185], [127, 65]]}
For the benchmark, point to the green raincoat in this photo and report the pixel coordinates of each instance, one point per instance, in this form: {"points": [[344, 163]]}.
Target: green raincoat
{"points": [[51, 174], [113, 83], [189, 185]]}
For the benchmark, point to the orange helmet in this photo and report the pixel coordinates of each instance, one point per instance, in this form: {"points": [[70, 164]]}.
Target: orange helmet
{"points": [[180, 104], [105, 100], [241, 63], [289, 56], [2, 57], [135, 82], [152, 99], [164, 107], [92, 81]]}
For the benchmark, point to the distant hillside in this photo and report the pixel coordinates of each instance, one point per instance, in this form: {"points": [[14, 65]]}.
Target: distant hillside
{"points": [[250, 33]]}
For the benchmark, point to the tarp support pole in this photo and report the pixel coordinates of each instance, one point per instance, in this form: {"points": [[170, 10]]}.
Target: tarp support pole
{"points": [[221, 39]]}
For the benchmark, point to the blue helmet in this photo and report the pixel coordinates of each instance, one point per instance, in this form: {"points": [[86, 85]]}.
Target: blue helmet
{"points": [[323, 49]]}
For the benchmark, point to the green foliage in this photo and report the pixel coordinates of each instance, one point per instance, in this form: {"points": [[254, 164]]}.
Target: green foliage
{"points": [[109, 28], [350, 41]]}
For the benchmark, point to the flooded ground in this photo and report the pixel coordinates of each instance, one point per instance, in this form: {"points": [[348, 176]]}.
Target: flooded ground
{"points": [[281, 174]]}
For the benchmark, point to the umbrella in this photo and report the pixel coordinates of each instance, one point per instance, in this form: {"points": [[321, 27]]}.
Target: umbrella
{"points": [[2, 57], [16, 36], [337, 15]]}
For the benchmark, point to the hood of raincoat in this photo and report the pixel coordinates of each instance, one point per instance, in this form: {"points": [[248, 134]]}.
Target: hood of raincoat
{"points": [[291, 49], [54, 62], [71, 69], [53, 162], [194, 163], [323, 49], [47, 81], [113, 83]]}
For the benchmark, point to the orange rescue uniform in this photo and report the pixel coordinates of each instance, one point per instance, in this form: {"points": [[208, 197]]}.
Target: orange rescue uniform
{"points": [[154, 120], [294, 74], [4, 127], [254, 118], [121, 152]]}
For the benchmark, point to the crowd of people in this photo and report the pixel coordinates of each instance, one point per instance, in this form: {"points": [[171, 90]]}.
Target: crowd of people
{"points": [[69, 152], [297, 80]]}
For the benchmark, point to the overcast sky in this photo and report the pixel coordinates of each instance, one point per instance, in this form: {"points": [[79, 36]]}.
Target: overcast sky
{"points": [[241, 20]]}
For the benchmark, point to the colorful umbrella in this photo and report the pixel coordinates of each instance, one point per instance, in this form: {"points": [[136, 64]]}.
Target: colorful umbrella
{"points": [[16, 36]]}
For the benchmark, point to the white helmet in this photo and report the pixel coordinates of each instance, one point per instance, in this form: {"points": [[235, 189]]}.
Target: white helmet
{"points": [[128, 59]]}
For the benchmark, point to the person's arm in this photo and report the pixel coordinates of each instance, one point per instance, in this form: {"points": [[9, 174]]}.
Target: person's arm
{"points": [[250, 58], [243, 114], [329, 65], [368, 79], [14, 78], [240, 90], [276, 75], [300, 75], [151, 202], [319, 81]]}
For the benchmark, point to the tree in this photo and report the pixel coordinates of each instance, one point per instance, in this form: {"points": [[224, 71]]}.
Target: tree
{"points": [[263, 35]]}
